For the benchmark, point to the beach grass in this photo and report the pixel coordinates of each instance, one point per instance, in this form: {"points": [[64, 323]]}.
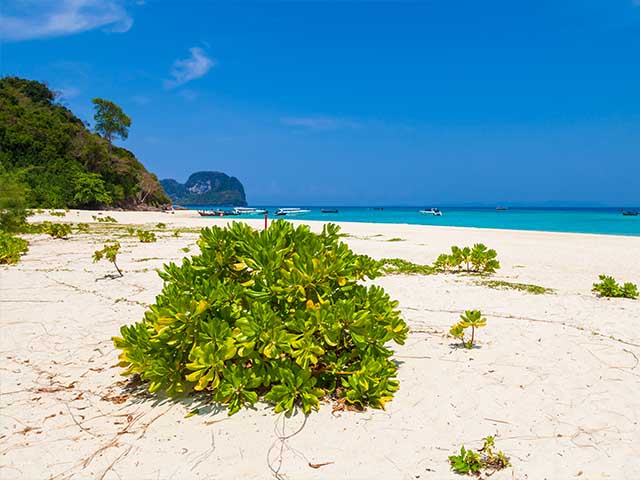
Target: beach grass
{"points": [[524, 287], [399, 266]]}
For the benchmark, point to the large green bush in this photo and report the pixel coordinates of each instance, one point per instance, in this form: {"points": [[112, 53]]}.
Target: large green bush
{"points": [[278, 314]]}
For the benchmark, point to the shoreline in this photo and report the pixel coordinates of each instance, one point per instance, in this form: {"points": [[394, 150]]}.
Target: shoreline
{"points": [[192, 214]]}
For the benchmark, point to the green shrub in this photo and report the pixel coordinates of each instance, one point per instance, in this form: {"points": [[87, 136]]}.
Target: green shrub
{"points": [[483, 461], [57, 230], [470, 318], [82, 227], [278, 314], [478, 259], [11, 248], [57, 214], [161, 226], [110, 253], [107, 219], [131, 231], [608, 287], [146, 236]]}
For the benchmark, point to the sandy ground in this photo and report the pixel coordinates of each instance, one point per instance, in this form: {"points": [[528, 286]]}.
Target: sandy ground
{"points": [[555, 376]]}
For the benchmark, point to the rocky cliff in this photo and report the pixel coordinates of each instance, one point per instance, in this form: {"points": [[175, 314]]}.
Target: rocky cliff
{"points": [[206, 188]]}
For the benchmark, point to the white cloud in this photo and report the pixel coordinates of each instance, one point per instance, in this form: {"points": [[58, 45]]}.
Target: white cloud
{"points": [[196, 66], [319, 122], [29, 19]]}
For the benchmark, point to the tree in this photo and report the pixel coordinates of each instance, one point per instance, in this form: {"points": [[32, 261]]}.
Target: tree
{"points": [[13, 192], [90, 190], [111, 121]]}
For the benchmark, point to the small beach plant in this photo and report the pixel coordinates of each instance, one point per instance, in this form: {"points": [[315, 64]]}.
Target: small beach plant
{"points": [[161, 226], [279, 314], [106, 219], [476, 259], [11, 248], [146, 236], [57, 230], [131, 231], [609, 287], [110, 253], [82, 227], [485, 460], [470, 319], [55, 213]]}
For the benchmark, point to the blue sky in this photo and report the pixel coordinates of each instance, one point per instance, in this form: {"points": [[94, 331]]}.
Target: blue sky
{"points": [[403, 103]]}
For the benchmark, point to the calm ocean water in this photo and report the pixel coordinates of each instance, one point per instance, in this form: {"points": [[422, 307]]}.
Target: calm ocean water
{"points": [[577, 220]]}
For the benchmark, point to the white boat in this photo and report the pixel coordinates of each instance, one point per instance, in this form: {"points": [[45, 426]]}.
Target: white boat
{"points": [[434, 211], [290, 211], [249, 211]]}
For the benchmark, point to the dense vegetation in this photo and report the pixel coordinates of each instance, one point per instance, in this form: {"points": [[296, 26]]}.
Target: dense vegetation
{"points": [[278, 314], [50, 155]]}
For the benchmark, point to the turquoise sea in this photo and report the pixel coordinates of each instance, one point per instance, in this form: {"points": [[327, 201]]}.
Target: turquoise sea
{"points": [[609, 221]]}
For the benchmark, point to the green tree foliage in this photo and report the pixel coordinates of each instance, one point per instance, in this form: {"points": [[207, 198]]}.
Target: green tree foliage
{"points": [[110, 120], [11, 248], [279, 314], [608, 287], [90, 191], [13, 192], [51, 151]]}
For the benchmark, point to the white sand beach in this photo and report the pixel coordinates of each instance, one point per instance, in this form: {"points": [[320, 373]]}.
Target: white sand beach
{"points": [[555, 377]]}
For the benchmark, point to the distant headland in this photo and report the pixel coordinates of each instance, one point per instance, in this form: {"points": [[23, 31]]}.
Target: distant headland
{"points": [[50, 158], [206, 188]]}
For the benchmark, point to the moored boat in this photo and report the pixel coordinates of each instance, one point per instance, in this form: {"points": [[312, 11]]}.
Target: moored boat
{"points": [[500, 209], [328, 210], [290, 211], [216, 213], [630, 213], [433, 211], [249, 211]]}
